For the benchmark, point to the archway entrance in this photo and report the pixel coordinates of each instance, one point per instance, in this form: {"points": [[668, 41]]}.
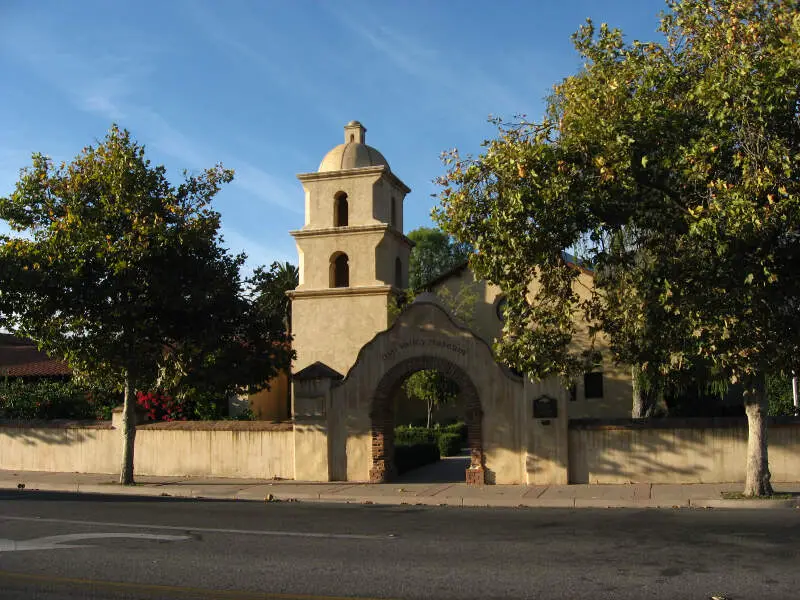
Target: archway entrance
{"points": [[383, 419]]}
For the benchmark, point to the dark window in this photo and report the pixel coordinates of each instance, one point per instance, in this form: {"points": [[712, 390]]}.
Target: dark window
{"points": [[340, 210], [573, 392], [593, 385], [398, 273], [340, 271]]}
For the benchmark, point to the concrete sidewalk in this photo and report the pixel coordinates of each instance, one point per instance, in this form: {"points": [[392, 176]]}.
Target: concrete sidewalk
{"points": [[641, 495]]}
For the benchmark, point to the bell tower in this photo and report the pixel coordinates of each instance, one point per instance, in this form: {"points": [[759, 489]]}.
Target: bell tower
{"points": [[353, 256]]}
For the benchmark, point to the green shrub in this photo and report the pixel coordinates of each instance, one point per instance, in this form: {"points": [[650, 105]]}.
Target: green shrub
{"points": [[779, 392], [48, 399], [411, 456], [459, 429], [407, 434], [43, 400], [449, 443]]}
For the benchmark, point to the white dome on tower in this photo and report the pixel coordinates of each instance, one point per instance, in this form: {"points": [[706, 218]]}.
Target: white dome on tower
{"points": [[354, 153]]}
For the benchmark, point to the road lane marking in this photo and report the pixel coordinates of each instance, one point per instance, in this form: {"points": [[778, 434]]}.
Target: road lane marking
{"points": [[56, 542], [170, 589], [300, 534]]}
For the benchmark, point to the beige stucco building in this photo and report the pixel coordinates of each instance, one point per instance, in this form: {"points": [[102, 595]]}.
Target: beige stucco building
{"points": [[352, 360], [354, 354], [352, 253]]}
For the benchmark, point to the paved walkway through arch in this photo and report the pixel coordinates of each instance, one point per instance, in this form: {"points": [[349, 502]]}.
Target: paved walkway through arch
{"points": [[450, 469]]}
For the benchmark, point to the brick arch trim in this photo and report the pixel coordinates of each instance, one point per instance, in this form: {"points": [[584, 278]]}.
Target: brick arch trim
{"points": [[382, 416]]}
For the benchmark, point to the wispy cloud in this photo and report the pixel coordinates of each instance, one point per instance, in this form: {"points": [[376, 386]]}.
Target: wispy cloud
{"points": [[269, 188], [269, 63], [107, 87], [444, 76]]}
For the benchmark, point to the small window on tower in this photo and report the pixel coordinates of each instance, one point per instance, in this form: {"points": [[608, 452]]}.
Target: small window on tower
{"points": [[340, 217], [340, 270]]}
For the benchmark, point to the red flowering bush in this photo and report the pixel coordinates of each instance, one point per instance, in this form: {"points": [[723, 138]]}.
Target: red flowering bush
{"points": [[163, 407]]}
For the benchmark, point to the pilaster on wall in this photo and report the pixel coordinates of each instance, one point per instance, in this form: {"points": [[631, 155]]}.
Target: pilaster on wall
{"points": [[310, 402], [547, 460]]}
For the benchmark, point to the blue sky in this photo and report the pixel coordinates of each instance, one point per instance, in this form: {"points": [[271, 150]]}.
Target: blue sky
{"points": [[265, 87]]}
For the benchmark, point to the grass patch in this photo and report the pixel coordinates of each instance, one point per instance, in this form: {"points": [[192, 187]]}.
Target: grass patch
{"points": [[775, 496]]}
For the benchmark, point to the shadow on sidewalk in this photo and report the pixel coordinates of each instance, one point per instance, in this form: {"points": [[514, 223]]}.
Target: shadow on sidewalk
{"points": [[119, 497], [450, 469]]}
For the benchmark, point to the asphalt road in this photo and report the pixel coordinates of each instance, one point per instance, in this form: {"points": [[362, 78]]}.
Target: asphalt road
{"points": [[56, 546]]}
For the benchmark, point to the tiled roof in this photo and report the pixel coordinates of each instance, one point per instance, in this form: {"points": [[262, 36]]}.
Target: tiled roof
{"points": [[21, 358]]}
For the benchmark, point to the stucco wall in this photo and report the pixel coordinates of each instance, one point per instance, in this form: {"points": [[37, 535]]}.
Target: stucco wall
{"points": [[332, 329], [425, 330], [272, 404], [677, 451], [60, 447], [207, 449]]}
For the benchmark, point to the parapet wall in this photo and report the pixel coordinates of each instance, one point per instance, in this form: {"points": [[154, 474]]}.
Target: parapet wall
{"points": [[246, 449], [676, 450]]}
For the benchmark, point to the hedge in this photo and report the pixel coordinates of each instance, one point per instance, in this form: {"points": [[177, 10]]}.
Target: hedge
{"points": [[449, 443], [449, 438], [411, 456], [407, 434], [459, 429]]}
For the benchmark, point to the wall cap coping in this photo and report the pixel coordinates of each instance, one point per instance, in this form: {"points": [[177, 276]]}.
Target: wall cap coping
{"points": [[366, 290], [353, 230], [677, 423], [218, 426], [54, 424], [382, 170]]}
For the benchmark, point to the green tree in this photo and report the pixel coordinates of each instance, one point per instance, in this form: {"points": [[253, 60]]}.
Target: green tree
{"points": [[434, 253], [674, 165], [431, 387], [122, 274], [269, 290]]}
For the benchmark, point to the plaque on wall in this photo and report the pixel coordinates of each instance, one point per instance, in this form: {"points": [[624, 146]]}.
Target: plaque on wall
{"points": [[545, 407]]}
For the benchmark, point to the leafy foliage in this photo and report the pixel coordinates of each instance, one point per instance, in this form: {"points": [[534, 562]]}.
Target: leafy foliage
{"points": [[779, 392], [159, 406], [46, 399], [673, 168], [435, 253], [268, 289], [124, 276], [433, 388], [449, 443]]}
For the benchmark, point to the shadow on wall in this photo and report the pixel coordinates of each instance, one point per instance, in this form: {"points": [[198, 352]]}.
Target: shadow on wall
{"points": [[51, 432], [675, 450]]}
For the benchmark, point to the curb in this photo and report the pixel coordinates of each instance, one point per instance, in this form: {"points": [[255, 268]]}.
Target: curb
{"points": [[246, 495], [791, 503]]}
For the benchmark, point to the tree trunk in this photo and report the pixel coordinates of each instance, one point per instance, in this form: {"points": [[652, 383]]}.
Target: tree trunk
{"points": [[757, 482], [644, 401], [430, 412], [128, 433]]}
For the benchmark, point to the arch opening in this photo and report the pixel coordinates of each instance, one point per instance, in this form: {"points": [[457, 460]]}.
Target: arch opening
{"points": [[384, 416], [339, 271], [340, 210]]}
